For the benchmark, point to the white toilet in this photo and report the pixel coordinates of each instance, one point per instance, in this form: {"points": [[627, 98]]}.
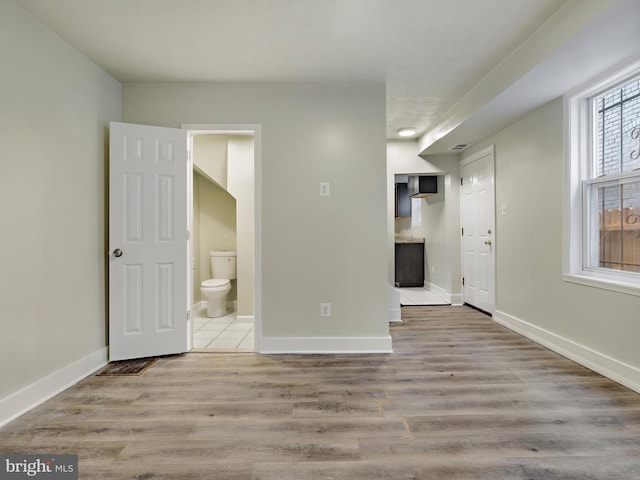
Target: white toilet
{"points": [[223, 270]]}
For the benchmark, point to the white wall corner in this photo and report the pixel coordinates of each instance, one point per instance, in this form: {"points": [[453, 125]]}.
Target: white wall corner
{"points": [[325, 345], [20, 402], [457, 300], [618, 371], [395, 315], [394, 310]]}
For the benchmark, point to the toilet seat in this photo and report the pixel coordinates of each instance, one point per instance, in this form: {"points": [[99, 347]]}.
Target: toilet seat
{"points": [[215, 283]]}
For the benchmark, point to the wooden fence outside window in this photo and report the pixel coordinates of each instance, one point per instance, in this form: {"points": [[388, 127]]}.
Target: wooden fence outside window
{"points": [[620, 239]]}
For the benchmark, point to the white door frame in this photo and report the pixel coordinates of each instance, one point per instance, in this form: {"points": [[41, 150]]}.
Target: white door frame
{"points": [[231, 129], [490, 150]]}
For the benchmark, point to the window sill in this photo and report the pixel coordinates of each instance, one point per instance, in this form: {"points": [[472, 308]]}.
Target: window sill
{"points": [[619, 286]]}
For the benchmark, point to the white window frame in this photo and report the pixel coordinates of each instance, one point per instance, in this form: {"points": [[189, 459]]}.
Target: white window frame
{"points": [[579, 158]]}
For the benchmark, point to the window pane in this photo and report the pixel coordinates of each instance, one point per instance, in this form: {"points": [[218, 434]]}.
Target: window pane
{"points": [[631, 141], [609, 154], [618, 127], [619, 226], [631, 89]]}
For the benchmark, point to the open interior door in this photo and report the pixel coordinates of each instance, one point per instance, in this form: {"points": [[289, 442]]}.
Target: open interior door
{"points": [[147, 241]]}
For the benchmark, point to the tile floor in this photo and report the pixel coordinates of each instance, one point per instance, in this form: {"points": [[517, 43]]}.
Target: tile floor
{"points": [[221, 334], [419, 296]]}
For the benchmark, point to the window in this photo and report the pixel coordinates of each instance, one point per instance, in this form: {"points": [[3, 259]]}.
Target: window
{"points": [[603, 182]]}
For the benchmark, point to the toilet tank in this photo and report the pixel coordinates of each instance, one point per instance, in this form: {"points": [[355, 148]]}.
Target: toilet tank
{"points": [[223, 264]]}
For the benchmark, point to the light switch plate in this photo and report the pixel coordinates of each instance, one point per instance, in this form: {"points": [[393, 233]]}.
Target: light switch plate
{"points": [[325, 309]]}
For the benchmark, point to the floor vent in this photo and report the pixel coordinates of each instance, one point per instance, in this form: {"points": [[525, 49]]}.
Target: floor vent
{"points": [[128, 367]]}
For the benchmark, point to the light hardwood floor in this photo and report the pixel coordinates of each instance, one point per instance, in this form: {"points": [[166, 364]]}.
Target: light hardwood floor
{"points": [[461, 398]]}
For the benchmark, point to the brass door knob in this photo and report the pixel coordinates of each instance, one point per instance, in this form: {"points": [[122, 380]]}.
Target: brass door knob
{"points": [[488, 242]]}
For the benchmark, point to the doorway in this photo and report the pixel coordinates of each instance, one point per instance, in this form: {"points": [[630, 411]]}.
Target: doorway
{"points": [[150, 258], [223, 217]]}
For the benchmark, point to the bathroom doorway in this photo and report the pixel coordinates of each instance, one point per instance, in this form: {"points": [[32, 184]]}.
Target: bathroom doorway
{"points": [[223, 218]]}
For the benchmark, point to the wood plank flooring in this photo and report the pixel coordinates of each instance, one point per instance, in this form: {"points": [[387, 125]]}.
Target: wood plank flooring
{"points": [[461, 398]]}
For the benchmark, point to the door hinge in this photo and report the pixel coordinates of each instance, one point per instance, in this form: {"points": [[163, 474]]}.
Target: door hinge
{"points": [[188, 315], [460, 181], [462, 230], [462, 280]]}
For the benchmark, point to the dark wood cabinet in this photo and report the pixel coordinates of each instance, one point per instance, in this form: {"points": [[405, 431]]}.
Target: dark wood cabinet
{"points": [[422, 186], [403, 201], [410, 264]]}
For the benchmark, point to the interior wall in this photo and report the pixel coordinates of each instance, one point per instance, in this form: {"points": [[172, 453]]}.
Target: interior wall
{"points": [[210, 156], [439, 217], [530, 290], [195, 245], [240, 152], [217, 221], [314, 249], [56, 106]]}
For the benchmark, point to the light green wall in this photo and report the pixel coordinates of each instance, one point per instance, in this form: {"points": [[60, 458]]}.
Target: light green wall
{"points": [[54, 114], [314, 249], [210, 156], [530, 287], [240, 154], [217, 227], [197, 271]]}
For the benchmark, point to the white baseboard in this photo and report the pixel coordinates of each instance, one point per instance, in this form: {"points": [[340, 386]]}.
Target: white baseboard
{"points": [[338, 345], [454, 299], [31, 396], [441, 292], [245, 318], [198, 307], [618, 371]]}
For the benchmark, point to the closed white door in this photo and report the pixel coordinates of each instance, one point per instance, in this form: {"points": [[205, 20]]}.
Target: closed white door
{"points": [[147, 241], [478, 230]]}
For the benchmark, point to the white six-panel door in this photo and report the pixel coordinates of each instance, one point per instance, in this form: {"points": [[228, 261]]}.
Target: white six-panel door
{"points": [[147, 241], [478, 223]]}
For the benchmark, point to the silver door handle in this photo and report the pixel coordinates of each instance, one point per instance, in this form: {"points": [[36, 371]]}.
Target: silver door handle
{"points": [[117, 253]]}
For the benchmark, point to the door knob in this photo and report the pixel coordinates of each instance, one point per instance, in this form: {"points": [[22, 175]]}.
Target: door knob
{"points": [[118, 253], [488, 242]]}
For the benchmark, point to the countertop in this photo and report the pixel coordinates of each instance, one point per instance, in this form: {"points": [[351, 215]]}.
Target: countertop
{"points": [[409, 240]]}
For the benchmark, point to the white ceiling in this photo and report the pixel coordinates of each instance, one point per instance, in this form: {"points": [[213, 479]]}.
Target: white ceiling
{"points": [[430, 53]]}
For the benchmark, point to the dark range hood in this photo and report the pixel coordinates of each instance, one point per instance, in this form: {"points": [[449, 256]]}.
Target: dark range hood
{"points": [[423, 186]]}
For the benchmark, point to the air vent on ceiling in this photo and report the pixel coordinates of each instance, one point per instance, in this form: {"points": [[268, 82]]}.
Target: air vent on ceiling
{"points": [[460, 146]]}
